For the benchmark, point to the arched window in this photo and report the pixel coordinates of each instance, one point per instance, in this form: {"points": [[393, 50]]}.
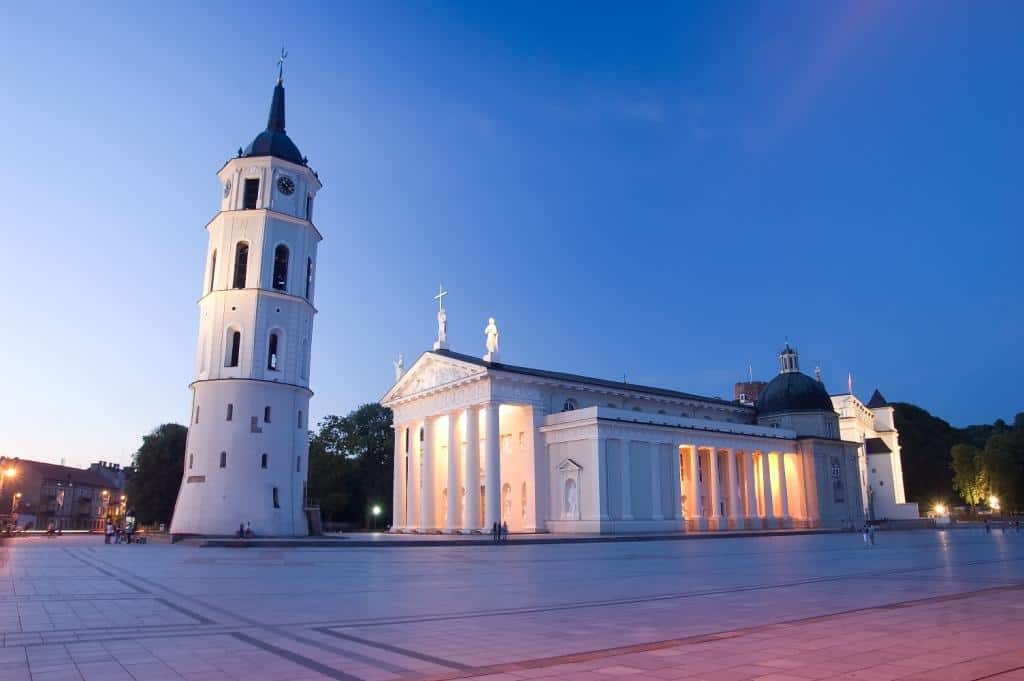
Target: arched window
{"points": [[309, 276], [213, 268], [298, 421], [277, 502], [263, 461], [190, 462], [281, 267], [231, 411], [266, 414], [241, 264], [569, 405], [223, 459], [234, 346], [272, 352]]}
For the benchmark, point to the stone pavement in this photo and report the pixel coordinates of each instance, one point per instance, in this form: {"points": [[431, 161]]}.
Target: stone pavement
{"points": [[920, 605]]}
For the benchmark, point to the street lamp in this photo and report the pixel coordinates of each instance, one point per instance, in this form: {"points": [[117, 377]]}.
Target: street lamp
{"points": [[15, 501], [9, 472], [376, 512], [993, 502]]}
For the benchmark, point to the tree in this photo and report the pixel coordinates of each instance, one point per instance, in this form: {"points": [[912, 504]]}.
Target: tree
{"points": [[1001, 469], [925, 443], [158, 465], [969, 474], [350, 464]]}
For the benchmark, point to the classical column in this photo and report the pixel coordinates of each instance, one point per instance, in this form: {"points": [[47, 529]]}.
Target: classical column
{"points": [[451, 520], [656, 512], [627, 485], [427, 521], [766, 491], [602, 464], [750, 508], [717, 522], [696, 509], [412, 479], [734, 491], [471, 511], [677, 484], [783, 492], [492, 466], [398, 489]]}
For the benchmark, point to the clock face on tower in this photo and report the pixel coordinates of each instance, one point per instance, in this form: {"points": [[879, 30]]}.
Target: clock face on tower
{"points": [[285, 185], [227, 188]]}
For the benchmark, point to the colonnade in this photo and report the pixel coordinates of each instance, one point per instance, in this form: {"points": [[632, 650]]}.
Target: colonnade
{"points": [[751, 492], [414, 505]]}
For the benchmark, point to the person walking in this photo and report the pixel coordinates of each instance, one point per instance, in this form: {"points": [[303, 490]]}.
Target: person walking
{"points": [[871, 534], [504, 531], [108, 530], [495, 537], [988, 528], [864, 532]]}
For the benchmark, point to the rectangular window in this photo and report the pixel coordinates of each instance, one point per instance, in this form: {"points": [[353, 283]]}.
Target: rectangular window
{"points": [[197, 415], [223, 459], [266, 414], [298, 464], [277, 502], [309, 208], [231, 411], [254, 425], [252, 194], [298, 423]]}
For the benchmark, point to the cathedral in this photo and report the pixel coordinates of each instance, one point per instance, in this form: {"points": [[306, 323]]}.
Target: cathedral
{"points": [[478, 441]]}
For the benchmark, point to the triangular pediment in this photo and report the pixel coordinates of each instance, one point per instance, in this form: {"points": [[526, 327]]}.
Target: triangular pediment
{"points": [[431, 371], [569, 465]]}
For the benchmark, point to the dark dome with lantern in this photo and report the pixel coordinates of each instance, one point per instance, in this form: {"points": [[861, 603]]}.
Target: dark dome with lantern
{"points": [[792, 391], [274, 141]]}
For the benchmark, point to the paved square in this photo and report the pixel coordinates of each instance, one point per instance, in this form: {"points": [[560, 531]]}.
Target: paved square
{"points": [[920, 605]]}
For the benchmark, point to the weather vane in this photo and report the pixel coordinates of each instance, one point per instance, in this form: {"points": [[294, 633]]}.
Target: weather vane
{"points": [[280, 64]]}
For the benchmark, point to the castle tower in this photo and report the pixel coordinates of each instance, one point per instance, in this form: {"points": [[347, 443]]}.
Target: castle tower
{"points": [[247, 455]]}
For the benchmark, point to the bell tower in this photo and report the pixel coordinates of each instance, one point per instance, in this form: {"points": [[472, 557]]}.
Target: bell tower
{"points": [[247, 454]]}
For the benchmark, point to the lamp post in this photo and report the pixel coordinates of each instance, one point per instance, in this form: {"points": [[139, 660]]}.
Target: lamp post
{"points": [[375, 511], [15, 501]]}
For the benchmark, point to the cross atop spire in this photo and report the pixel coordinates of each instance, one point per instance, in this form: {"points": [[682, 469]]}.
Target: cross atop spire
{"points": [[280, 65]]}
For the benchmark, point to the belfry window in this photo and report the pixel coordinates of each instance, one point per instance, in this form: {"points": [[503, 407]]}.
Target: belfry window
{"points": [[252, 194], [281, 268], [298, 464], [213, 269], [263, 461], [277, 502], [190, 462], [309, 207], [234, 346], [266, 414], [223, 459], [231, 411], [272, 352], [309, 276], [241, 264]]}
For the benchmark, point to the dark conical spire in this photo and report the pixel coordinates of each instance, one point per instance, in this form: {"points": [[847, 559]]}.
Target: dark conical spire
{"points": [[275, 122], [877, 400]]}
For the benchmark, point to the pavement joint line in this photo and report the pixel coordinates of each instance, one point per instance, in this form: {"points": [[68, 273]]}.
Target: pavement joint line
{"points": [[553, 661], [201, 619], [996, 675], [300, 660], [439, 661]]}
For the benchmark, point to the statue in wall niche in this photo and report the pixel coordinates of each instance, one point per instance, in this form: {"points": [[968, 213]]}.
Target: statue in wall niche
{"points": [[572, 500], [492, 336], [399, 368]]}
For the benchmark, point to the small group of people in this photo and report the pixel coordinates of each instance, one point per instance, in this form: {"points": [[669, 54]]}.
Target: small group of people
{"points": [[869, 534], [244, 530], [114, 533], [499, 532], [1005, 525]]}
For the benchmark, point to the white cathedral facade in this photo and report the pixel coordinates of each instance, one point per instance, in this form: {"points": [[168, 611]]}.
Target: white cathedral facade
{"points": [[246, 456], [478, 441]]}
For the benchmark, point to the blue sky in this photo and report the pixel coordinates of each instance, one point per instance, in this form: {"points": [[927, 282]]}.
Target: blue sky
{"points": [[666, 194]]}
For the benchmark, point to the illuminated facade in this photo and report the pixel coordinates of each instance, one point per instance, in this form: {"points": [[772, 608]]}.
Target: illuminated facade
{"points": [[479, 441]]}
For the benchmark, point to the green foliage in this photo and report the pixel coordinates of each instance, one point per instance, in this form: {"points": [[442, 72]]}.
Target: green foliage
{"points": [[158, 465], [925, 443], [1003, 460], [969, 473], [350, 465]]}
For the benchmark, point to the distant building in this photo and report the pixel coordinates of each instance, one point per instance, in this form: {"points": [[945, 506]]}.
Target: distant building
{"points": [[70, 498], [879, 459]]}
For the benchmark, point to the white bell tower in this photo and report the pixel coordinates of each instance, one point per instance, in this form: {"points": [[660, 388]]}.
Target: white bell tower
{"points": [[247, 454]]}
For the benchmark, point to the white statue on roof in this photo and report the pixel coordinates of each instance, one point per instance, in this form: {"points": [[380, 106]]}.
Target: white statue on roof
{"points": [[442, 320], [492, 341], [399, 367]]}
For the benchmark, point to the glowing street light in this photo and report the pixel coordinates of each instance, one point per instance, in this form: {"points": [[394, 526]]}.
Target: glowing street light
{"points": [[940, 509], [376, 512], [15, 500], [993, 502]]}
